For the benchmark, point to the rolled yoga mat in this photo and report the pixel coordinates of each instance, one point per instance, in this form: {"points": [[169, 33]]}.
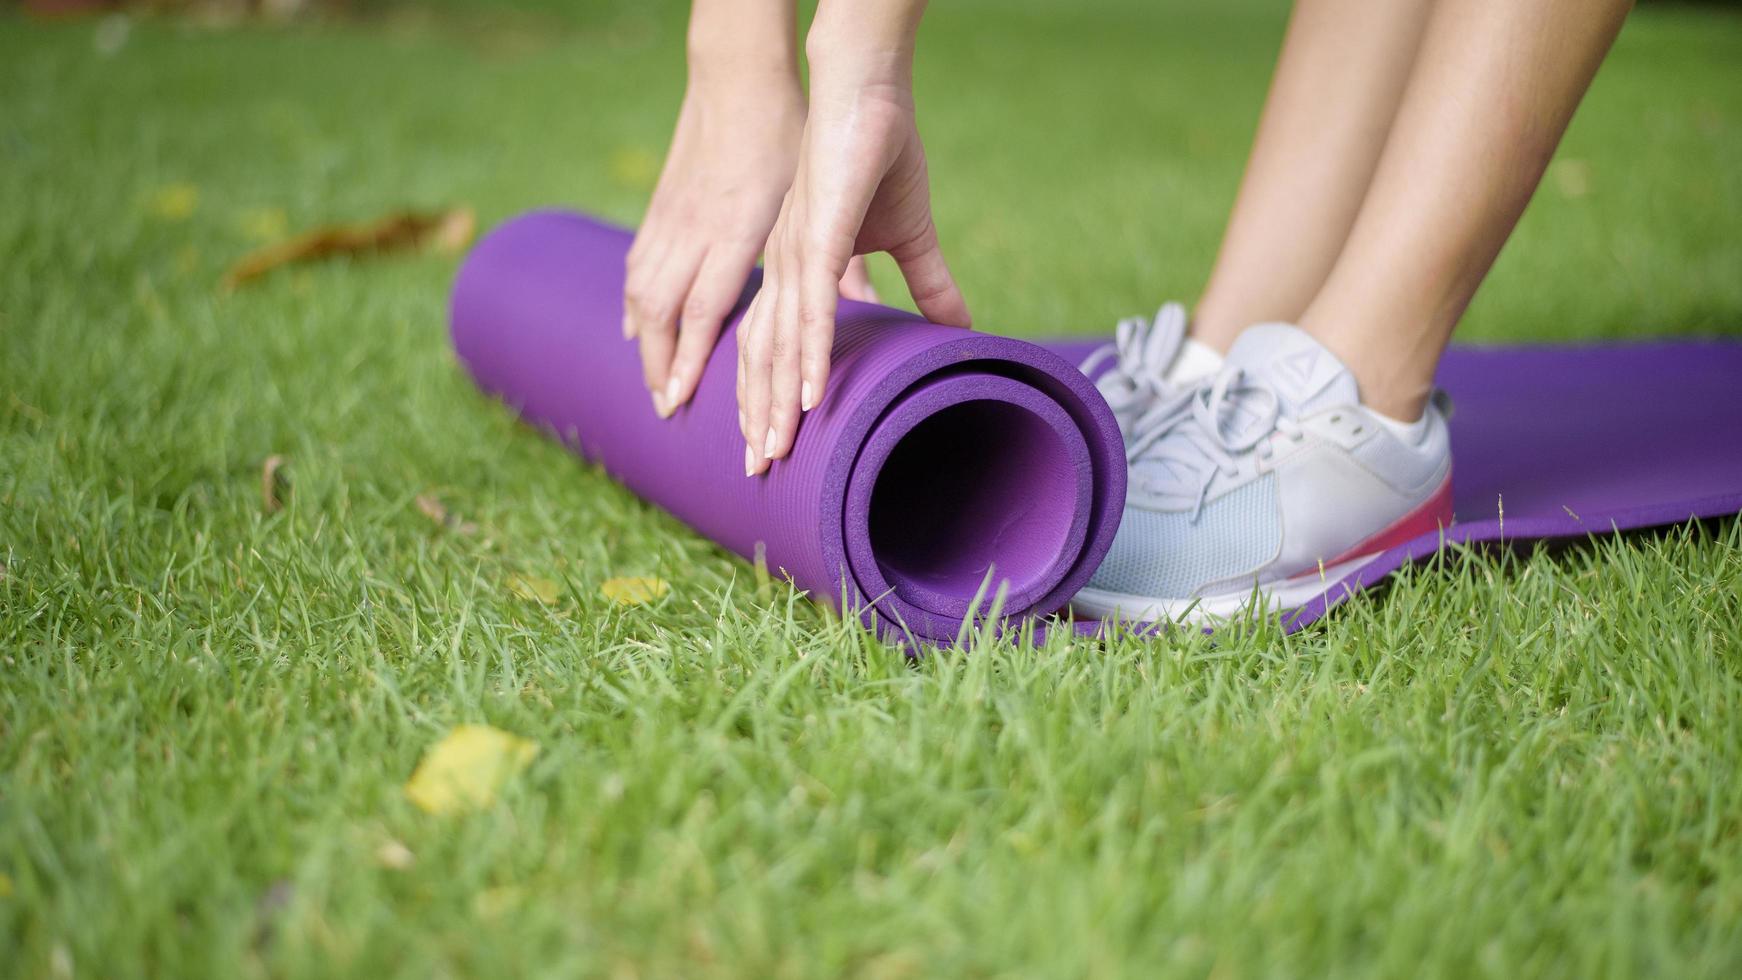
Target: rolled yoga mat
{"points": [[939, 454], [940, 466]]}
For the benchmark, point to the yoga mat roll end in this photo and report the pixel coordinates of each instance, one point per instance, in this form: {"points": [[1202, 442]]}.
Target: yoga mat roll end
{"points": [[941, 467]]}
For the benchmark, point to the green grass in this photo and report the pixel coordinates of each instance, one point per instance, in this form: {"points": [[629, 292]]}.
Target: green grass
{"points": [[1505, 764]]}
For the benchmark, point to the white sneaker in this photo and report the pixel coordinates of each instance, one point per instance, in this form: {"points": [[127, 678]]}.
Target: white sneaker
{"points": [[1152, 360], [1271, 480]]}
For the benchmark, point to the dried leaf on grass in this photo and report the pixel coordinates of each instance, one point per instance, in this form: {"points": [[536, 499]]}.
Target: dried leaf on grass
{"points": [[430, 506], [274, 484], [1571, 176], [467, 768], [444, 232], [635, 167], [174, 202], [634, 591], [533, 588], [263, 224], [394, 856]]}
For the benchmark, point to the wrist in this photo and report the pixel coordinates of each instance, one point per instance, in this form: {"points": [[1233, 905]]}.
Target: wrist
{"points": [[742, 43], [858, 45]]}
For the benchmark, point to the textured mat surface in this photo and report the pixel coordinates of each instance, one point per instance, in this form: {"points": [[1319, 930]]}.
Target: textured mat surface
{"points": [[938, 454]]}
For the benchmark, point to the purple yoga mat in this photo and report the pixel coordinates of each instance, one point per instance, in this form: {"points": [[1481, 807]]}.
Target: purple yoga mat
{"points": [[939, 454], [939, 461]]}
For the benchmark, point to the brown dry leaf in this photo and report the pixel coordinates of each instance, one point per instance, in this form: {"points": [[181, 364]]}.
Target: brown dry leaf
{"points": [[274, 485], [430, 506], [533, 588], [444, 232], [634, 591], [467, 768]]}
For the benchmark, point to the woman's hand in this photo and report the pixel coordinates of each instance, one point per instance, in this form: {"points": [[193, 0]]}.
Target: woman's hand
{"points": [[860, 187], [732, 158]]}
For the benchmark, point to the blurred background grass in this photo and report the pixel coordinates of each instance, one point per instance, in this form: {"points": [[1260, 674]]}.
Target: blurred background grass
{"points": [[1083, 160]]}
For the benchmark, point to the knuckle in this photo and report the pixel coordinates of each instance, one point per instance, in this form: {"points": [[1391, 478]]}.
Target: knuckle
{"points": [[700, 309], [636, 296], [812, 319]]}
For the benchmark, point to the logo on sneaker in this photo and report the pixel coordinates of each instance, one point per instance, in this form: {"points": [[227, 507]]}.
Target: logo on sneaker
{"points": [[1297, 371]]}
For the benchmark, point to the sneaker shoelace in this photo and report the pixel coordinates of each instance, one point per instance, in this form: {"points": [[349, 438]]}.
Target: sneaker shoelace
{"points": [[1205, 431], [1142, 350]]}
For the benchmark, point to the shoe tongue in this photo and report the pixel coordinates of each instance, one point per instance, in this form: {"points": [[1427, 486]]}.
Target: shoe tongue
{"points": [[1161, 342], [1306, 375]]}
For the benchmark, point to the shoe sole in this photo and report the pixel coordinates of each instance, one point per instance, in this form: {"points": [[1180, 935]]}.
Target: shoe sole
{"points": [[1280, 596]]}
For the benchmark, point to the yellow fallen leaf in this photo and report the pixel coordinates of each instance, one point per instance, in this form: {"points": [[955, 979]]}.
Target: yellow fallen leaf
{"points": [[533, 588], [634, 167], [634, 591], [174, 202], [445, 232], [492, 903], [264, 224], [1571, 176], [467, 768], [394, 855]]}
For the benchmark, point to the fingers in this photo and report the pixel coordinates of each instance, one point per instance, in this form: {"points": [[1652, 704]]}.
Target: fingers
{"points": [[784, 385], [718, 283], [856, 284], [787, 343], [756, 352], [743, 357], [929, 281], [654, 289], [816, 331]]}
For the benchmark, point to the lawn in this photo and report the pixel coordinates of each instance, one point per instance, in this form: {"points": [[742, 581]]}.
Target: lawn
{"points": [[1508, 763]]}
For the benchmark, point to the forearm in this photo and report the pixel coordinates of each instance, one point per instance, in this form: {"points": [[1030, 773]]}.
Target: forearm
{"points": [[864, 40], [739, 39]]}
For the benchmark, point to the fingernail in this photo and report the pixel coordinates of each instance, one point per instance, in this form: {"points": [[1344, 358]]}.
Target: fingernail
{"points": [[749, 461], [671, 394], [659, 406], [628, 329], [806, 400]]}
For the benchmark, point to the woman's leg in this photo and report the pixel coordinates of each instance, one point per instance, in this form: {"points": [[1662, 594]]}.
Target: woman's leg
{"points": [[1495, 83], [1338, 81]]}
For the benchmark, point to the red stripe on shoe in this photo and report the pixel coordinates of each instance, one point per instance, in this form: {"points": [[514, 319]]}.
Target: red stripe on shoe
{"points": [[1429, 516]]}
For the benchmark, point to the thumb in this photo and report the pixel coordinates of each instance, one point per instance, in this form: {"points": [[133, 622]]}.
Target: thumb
{"points": [[929, 281]]}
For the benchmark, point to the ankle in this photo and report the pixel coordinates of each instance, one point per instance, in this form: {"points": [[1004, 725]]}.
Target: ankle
{"points": [[1393, 398], [1215, 324]]}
